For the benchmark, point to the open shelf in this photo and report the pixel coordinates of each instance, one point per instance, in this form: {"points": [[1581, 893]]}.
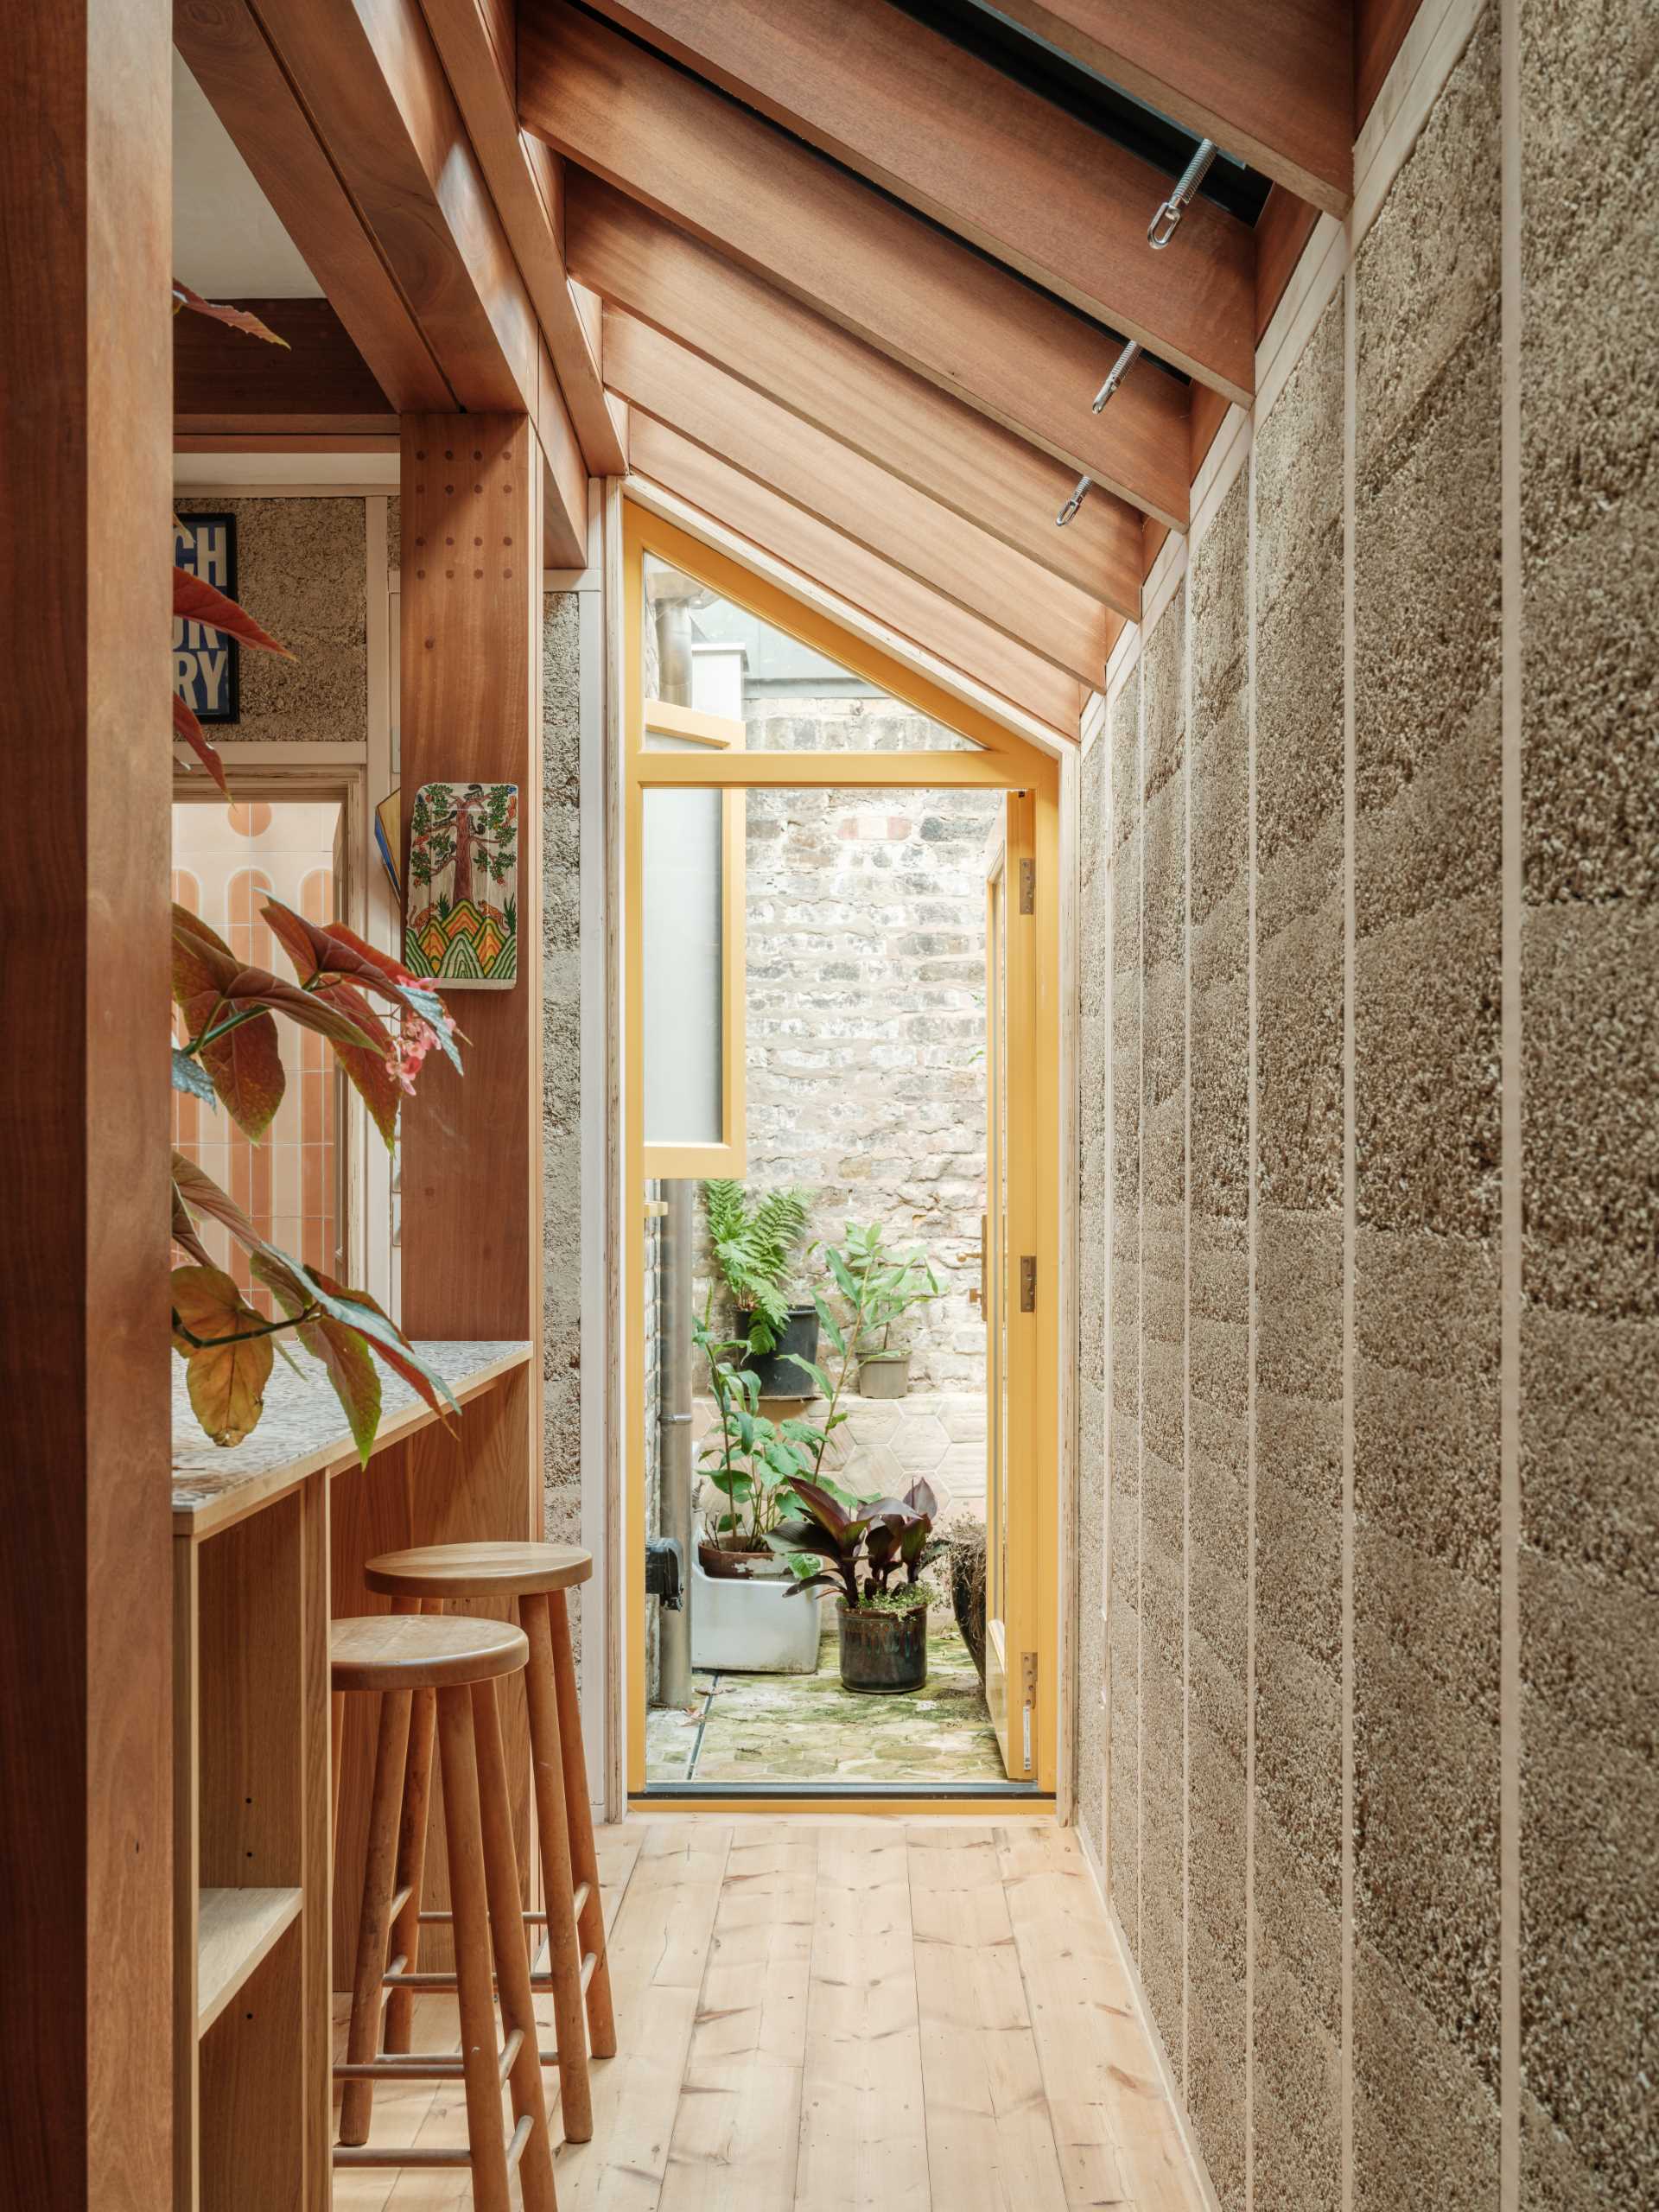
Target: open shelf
{"points": [[235, 1931]]}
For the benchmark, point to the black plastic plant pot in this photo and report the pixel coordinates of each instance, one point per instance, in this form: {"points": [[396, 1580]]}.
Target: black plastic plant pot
{"points": [[882, 1653], [779, 1377]]}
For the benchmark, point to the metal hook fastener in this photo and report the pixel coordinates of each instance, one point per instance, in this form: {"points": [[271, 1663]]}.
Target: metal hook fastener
{"points": [[1083, 487], [1161, 228], [1120, 368]]}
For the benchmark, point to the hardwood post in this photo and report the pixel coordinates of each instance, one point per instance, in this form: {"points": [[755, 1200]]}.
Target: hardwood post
{"points": [[472, 684], [86, 1571]]}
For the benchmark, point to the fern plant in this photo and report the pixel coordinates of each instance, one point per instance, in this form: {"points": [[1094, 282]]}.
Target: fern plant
{"points": [[752, 1247]]}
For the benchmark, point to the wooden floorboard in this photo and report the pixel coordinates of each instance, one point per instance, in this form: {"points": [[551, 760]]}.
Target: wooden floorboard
{"points": [[855, 2015]]}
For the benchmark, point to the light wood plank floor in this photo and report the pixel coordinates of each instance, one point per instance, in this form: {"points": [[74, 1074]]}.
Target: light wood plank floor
{"points": [[842, 2016]]}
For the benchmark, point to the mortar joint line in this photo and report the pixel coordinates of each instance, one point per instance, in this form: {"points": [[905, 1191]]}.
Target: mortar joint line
{"points": [[1349, 1207]]}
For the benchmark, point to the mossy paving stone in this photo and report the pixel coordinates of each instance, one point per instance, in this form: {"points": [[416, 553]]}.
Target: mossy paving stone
{"points": [[806, 1727]]}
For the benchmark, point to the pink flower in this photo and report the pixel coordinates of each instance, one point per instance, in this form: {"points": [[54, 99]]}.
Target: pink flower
{"points": [[415, 1040]]}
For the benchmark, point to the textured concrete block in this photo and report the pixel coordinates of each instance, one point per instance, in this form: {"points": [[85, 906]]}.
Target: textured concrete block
{"points": [[1220, 808], [1298, 1738], [1590, 294], [1295, 2037], [1123, 1806], [1214, 2077], [1298, 471], [1163, 907], [1123, 735], [1299, 1061], [1426, 1782], [1219, 584], [1422, 282], [1426, 1059], [1299, 710], [1299, 1306], [1590, 1874], [1425, 2121], [1219, 1069], [1589, 1443], [301, 572], [1163, 688], [1591, 1162], [1591, 706]]}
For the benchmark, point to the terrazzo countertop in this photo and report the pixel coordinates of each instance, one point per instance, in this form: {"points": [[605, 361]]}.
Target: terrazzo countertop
{"points": [[303, 1430]]}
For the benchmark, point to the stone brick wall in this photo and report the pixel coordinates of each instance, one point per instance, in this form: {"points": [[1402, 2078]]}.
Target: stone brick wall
{"points": [[1338, 1146], [866, 996]]}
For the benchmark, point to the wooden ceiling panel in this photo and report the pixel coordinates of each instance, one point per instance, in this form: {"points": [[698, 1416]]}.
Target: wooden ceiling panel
{"points": [[838, 383], [1271, 81], [1017, 175], [839, 565], [812, 471], [933, 304]]}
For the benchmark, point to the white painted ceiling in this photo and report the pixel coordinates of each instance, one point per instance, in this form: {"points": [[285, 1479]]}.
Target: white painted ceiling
{"points": [[227, 243]]}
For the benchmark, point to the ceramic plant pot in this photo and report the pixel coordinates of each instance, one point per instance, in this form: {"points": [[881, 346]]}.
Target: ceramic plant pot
{"points": [[739, 1567], [884, 1375], [778, 1377], [882, 1653]]}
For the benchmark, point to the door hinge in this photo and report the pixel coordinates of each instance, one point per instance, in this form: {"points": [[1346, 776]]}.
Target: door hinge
{"points": [[1027, 1699], [1028, 1282], [1028, 886]]}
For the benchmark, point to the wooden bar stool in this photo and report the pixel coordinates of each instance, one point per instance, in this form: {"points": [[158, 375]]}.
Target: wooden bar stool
{"points": [[449, 1668], [537, 1575]]}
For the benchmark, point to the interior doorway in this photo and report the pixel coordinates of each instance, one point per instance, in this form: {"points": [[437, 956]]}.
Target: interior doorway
{"points": [[841, 1054]]}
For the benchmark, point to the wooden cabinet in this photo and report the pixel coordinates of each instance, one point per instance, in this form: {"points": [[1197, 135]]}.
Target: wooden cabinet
{"points": [[269, 1543]]}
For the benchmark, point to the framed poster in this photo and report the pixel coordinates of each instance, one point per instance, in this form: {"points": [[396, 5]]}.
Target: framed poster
{"points": [[205, 662]]}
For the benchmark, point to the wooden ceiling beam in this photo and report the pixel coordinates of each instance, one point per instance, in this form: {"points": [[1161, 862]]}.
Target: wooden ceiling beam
{"points": [[834, 381], [346, 118], [935, 305], [477, 48], [1272, 83], [226, 384], [1019, 177], [838, 487], [230, 58], [936, 624]]}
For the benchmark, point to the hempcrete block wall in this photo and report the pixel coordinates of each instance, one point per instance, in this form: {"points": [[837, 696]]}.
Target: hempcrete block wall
{"points": [[1091, 1289], [562, 1065], [1218, 1339], [1163, 1504], [1403, 1463], [1589, 1410], [1121, 1818], [1427, 923], [302, 571], [1299, 1312]]}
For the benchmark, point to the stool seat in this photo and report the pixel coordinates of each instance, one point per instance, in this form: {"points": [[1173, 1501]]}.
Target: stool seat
{"points": [[478, 1570], [410, 1651]]}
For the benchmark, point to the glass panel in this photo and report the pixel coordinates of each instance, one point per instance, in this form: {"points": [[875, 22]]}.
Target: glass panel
{"points": [[682, 1000], [703, 650], [225, 859]]}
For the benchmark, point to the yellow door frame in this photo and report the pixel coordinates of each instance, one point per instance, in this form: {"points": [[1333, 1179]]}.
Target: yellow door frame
{"points": [[1000, 761]]}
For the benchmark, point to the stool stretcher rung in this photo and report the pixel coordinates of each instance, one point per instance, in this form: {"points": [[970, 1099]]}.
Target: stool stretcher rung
{"points": [[578, 1906], [426, 2065], [396, 1976], [516, 2147]]}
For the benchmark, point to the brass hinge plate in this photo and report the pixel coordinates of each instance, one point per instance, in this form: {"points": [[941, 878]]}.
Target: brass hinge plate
{"points": [[1028, 886], [1028, 1282]]}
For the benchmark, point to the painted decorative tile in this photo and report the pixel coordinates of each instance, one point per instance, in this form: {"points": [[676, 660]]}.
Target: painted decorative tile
{"points": [[462, 923]]}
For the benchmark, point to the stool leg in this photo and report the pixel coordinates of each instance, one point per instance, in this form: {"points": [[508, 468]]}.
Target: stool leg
{"points": [[412, 1862], [601, 2016], [511, 1958], [464, 1833], [374, 1923], [336, 1762], [552, 1820]]}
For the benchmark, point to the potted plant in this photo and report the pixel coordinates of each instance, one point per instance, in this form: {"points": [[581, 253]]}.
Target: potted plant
{"points": [[880, 1286], [752, 1248], [738, 1620], [871, 1552], [750, 1461]]}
